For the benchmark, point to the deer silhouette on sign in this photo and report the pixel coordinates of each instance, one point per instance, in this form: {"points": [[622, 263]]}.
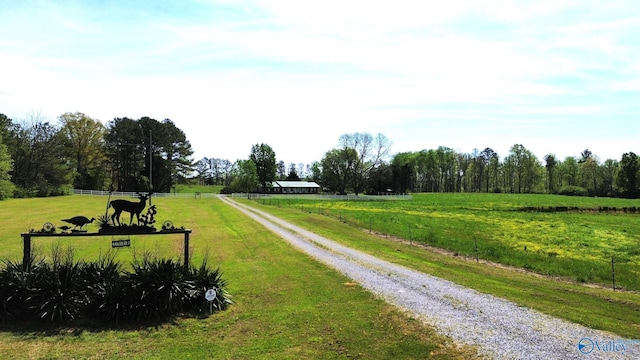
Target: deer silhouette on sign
{"points": [[133, 208]]}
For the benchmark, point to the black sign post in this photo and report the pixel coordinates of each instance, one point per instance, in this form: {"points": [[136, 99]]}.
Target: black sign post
{"points": [[26, 251]]}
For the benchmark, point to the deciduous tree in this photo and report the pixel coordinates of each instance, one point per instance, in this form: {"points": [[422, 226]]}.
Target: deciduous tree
{"points": [[282, 170], [608, 172], [6, 124], [589, 171], [522, 169], [370, 152], [550, 165], [446, 160], [316, 172], [264, 159], [380, 179], [245, 176], [337, 168], [6, 165], [628, 176], [6, 162], [84, 147], [403, 170], [38, 167], [488, 157], [569, 170]]}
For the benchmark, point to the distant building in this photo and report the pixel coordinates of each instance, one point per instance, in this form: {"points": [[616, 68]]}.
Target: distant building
{"points": [[294, 187]]}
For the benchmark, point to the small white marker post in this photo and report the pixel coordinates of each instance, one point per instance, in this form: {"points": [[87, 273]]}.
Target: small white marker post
{"points": [[210, 295]]}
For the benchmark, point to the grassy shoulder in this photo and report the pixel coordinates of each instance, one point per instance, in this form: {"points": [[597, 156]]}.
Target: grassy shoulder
{"points": [[286, 304], [616, 312]]}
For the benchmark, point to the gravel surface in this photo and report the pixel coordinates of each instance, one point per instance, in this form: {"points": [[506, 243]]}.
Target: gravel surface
{"points": [[499, 328]]}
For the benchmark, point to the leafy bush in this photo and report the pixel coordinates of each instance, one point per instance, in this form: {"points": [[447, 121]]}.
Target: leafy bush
{"points": [[21, 192], [6, 189], [573, 191]]}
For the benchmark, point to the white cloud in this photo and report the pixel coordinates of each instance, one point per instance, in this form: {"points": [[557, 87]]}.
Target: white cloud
{"points": [[261, 71]]}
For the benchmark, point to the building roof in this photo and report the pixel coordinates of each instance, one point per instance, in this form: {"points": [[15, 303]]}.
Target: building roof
{"points": [[295, 184]]}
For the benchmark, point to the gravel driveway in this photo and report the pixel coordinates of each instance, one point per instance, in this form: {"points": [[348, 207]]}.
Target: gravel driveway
{"points": [[499, 328]]}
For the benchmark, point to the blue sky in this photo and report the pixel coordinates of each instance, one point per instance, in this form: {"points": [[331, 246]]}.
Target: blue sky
{"points": [[555, 76]]}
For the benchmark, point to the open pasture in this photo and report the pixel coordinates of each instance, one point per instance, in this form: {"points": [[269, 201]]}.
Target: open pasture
{"points": [[570, 237]]}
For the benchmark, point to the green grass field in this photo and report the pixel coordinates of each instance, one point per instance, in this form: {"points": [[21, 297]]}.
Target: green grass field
{"points": [[514, 230], [286, 305], [313, 312], [594, 306], [213, 189]]}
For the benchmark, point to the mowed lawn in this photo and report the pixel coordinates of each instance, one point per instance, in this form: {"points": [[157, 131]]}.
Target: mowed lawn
{"points": [[285, 304]]}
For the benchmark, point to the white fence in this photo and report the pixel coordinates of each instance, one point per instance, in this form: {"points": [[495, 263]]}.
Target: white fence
{"points": [[134, 194], [251, 195], [324, 197]]}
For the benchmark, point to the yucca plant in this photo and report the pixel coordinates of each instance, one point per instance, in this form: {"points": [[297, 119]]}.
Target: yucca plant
{"points": [[103, 220], [64, 290], [157, 288], [12, 291], [107, 299], [15, 283], [205, 278], [58, 290]]}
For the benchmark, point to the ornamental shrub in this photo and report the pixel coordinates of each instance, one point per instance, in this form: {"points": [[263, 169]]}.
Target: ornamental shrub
{"points": [[64, 290]]}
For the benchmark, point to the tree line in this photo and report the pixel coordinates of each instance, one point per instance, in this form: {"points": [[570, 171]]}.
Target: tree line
{"points": [[361, 164], [520, 171], [347, 168], [38, 158]]}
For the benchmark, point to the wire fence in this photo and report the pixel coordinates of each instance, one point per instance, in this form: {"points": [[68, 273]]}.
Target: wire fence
{"points": [[618, 270]]}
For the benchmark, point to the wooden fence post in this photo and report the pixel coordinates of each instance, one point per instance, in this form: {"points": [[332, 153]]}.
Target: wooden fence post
{"points": [[475, 244]]}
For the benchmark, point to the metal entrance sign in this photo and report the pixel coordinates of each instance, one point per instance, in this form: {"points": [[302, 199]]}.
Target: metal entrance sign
{"points": [[111, 226], [27, 237]]}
